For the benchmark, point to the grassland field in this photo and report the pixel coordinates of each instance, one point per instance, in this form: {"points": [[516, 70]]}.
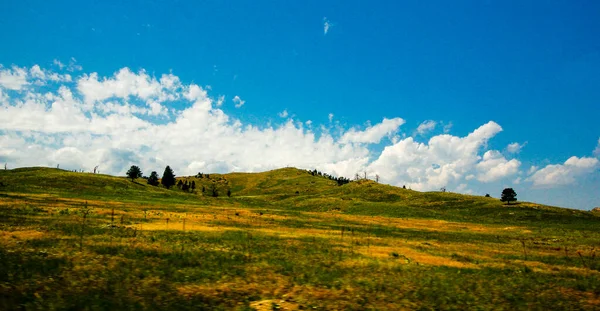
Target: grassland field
{"points": [[284, 240]]}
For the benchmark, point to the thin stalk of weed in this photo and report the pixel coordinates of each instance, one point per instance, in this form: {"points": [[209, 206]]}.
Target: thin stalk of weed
{"points": [[85, 210]]}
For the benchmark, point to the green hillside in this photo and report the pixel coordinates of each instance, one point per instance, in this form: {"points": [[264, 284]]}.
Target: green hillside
{"points": [[296, 190], [285, 239]]}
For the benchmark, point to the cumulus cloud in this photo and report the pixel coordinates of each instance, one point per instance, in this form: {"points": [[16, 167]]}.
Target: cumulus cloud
{"points": [[494, 166], [238, 101], [563, 174], [443, 161], [283, 114], [125, 84], [14, 78], [426, 127], [597, 150], [112, 122], [515, 147]]}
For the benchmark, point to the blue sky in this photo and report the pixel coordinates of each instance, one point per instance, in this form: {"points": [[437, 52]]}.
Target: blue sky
{"points": [[530, 67]]}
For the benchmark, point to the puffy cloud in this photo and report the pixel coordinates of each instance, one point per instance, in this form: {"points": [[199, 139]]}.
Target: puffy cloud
{"points": [[445, 160], [283, 114], [373, 134], [14, 78], [238, 101], [105, 121], [37, 72], [494, 166], [126, 83], [515, 147], [426, 127], [597, 150], [563, 174]]}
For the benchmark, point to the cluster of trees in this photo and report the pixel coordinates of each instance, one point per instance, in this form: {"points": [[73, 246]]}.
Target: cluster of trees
{"points": [[168, 180], [201, 175], [185, 186], [340, 180]]}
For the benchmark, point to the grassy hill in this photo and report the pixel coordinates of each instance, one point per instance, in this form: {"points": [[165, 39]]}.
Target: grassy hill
{"points": [[284, 239]]}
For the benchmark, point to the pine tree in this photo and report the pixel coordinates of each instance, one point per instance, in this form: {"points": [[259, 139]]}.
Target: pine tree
{"points": [[168, 178]]}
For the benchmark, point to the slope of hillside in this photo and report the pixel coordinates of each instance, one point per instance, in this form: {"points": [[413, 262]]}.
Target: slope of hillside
{"points": [[77, 241], [295, 190], [51, 181]]}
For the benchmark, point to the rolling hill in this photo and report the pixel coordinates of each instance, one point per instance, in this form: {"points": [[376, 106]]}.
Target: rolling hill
{"points": [[285, 239]]}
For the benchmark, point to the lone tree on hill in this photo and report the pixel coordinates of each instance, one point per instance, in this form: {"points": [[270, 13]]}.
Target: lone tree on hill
{"points": [[508, 194], [168, 178], [134, 172], [153, 179]]}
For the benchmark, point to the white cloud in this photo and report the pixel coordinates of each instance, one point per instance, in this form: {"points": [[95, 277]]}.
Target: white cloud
{"points": [[110, 121], [445, 160], [494, 166], [283, 114], [14, 78], [220, 100], [59, 64], [563, 174], [73, 66], [238, 101], [597, 150], [532, 169], [123, 84], [326, 25], [448, 127], [426, 127], [195, 93], [515, 147], [373, 134], [37, 72]]}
